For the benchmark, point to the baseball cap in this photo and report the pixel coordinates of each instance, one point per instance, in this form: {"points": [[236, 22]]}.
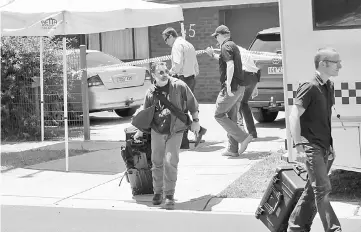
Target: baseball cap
{"points": [[222, 29]]}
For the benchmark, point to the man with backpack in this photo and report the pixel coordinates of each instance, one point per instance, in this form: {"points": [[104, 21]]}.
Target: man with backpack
{"points": [[170, 97]]}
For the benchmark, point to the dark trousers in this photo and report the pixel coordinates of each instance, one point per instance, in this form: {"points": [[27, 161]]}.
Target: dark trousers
{"points": [[191, 82], [244, 110], [315, 196]]}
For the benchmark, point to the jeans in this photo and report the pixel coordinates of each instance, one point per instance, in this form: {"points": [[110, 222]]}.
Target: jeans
{"points": [[315, 196], [227, 108], [191, 82], [165, 158], [244, 110]]}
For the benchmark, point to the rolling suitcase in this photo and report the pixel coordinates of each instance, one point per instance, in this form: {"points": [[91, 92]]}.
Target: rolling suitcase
{"points": [[281, 196], [137, 158]]}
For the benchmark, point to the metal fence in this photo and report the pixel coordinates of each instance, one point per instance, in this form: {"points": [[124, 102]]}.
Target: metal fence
{"points": [[21, 117], [54, 103]]}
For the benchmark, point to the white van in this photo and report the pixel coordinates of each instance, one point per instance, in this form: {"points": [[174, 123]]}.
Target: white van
{"points": [[311, 24]]}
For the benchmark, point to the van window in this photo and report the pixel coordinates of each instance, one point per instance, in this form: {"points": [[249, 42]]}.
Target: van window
{"points": [[336, 14]]}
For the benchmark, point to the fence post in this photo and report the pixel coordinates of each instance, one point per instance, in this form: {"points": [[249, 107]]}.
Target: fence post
{"points": [[84, 92]]}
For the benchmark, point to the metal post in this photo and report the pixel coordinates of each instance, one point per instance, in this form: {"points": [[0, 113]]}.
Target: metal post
{"points": [[41, 88], [84, 92], [65, 85], [183, 30]]}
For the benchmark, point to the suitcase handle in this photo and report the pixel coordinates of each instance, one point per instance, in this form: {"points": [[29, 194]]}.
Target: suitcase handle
{"points": [[299, 170], [279, 196]]}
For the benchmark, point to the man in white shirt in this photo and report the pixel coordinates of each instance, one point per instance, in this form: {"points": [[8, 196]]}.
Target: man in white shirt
{"points": [[184, 67], [252, 77]]}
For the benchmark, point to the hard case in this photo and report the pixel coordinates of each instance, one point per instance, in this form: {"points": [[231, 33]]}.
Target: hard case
{"points": [[137, 158], [281, 196]]}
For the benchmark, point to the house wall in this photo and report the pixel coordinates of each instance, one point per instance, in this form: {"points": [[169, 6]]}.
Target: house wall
{"points": [[205, 21]]}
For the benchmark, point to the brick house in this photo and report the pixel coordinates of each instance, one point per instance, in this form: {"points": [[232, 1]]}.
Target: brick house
{"points": [[244, 18]]}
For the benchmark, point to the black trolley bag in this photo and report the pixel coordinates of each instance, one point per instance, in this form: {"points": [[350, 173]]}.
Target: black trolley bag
{"points": [[281, 196], [137, 159]]}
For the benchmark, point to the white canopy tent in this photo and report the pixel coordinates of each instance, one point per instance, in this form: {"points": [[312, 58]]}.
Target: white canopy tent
{"points": [[49, 18]]}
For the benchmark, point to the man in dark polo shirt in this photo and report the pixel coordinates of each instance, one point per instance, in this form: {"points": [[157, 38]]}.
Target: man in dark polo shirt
{"points": [[310, 125], [232, 91]]}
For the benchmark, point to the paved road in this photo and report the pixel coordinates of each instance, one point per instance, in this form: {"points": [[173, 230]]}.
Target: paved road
{"points": [[45, 219]]}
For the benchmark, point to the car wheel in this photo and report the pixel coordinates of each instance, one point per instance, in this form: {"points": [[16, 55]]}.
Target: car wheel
{"points": [[265, 115], [126, 112]]}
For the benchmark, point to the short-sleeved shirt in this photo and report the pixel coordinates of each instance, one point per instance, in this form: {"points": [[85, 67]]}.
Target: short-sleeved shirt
{"points": [[317, 98], [230, 51], [184, 54]]}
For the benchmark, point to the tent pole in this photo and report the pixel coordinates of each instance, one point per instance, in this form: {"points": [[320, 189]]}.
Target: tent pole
{"points": [[183, 30], [65, 85], [41, 88]]}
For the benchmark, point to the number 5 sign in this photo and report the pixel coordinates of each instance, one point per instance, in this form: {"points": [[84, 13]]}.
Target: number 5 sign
{"points": [[191, 30]]}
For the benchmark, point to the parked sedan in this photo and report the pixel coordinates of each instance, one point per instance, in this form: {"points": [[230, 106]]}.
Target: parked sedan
{"points": [[115, 87]]}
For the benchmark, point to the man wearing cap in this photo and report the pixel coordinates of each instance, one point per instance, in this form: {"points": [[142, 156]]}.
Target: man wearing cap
{"points": [[232, 91], [184, 67]]}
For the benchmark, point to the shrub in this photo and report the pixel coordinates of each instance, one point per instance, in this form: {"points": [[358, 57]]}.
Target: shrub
{"points": [[20, 102]]}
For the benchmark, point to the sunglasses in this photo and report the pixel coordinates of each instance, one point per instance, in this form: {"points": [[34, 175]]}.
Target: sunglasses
{"points": [[332, 61], [216, 36], [162, 73], [166, 38]]}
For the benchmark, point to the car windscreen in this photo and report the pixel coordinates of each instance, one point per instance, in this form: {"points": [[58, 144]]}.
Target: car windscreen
{"points": [[267, 43], [98, 59]]}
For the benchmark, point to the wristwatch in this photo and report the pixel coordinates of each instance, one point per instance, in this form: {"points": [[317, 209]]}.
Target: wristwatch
{"points": [[195, 119], [298, 144]]}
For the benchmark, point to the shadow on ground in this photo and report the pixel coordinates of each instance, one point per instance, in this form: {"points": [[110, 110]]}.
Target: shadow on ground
{"points": [[107, 120], [194, 204], [266, 139], [280, 123], [106, 162], [252, 155], [208, 147]]}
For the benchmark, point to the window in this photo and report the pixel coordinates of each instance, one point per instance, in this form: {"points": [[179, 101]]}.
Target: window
{"points": [[336, 14], [267, 43], [127, 44]]}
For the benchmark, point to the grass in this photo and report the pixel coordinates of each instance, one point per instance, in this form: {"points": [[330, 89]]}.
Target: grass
{"points": [[14, 160], [346, 185]]}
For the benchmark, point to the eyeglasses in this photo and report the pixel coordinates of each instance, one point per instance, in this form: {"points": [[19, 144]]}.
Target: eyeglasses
{"points": [[333, 61]]}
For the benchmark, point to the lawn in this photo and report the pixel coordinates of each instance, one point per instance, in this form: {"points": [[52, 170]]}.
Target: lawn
{"points": [[346, 185]]}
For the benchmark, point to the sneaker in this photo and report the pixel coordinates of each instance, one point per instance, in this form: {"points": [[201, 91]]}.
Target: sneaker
{"points": [[157, 199], [244, 144], [228, 153], [169, 201]]}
